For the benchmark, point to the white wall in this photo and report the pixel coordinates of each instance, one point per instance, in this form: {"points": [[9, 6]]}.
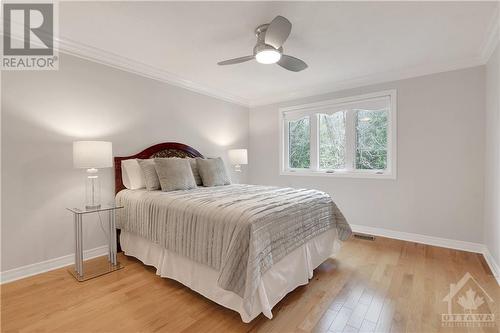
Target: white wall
{"points": [[492, 166], [439, 188], [43, 112]]}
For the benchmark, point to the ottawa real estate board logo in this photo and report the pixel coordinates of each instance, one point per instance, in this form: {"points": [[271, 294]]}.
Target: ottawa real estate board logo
{"points": [[468, 305], [28, 36]]}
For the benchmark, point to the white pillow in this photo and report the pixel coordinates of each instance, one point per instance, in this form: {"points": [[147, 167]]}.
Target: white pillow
{"points": [[132, 176]]}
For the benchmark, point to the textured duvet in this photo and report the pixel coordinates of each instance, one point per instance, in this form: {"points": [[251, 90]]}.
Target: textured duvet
{"points": [[238, 230]]}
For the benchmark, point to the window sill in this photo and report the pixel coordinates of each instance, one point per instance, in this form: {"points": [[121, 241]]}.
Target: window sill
{"points": [[338, 174]]}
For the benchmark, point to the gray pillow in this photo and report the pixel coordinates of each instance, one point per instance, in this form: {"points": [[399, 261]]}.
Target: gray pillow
{"points": [[213, 172], [194, 168], [196, 173], [150, 175], [175, 174]]}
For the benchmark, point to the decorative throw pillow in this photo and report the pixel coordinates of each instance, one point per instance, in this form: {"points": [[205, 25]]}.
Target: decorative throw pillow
{"points": [[213, 172], [132, 176], [194, 168], [175, 174], [150, 175]]}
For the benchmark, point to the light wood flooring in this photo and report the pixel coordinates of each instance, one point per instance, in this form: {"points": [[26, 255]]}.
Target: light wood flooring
{"points": [[372, 286]]}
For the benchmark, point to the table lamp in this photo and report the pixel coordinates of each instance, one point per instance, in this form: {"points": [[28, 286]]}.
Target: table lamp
{"points": [[92, 155], [238, 157]]}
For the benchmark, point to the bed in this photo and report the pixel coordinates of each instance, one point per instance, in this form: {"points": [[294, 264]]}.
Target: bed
{"points": [[242, 246]]}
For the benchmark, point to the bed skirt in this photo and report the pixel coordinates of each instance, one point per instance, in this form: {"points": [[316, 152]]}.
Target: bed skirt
{"points": [[294, 270]]}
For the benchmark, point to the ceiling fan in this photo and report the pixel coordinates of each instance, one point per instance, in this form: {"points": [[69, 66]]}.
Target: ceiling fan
{"points": [[269, 47]]}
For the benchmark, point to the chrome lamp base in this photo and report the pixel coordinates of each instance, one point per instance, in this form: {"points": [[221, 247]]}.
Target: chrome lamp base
{"points": [[92, 207], [92, 190]]}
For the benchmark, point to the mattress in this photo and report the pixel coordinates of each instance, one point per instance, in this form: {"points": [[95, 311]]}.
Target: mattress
{"points": [[294, 270]]}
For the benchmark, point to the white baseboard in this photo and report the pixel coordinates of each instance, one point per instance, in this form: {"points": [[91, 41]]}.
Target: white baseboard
{"points": [[419, 238], [48, 265], [435, 241], [494, 266]]}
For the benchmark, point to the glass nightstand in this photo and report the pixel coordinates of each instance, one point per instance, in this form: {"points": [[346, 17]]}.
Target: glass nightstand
{"points": [[112, 265]]}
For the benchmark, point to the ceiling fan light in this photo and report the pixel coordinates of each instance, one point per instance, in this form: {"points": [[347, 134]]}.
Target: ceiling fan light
{"points": [[268, 56]]}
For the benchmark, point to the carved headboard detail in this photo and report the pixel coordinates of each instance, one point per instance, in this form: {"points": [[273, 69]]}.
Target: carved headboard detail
{"points": [[166, 149]]}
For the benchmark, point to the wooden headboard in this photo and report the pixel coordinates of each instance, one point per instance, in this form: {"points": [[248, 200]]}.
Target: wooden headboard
{"points": [[166, 149]]}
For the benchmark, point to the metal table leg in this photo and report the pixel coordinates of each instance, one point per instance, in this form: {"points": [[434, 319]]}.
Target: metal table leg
{"points": [[94, 269], [112, 236], [80, 245], [110, 228], [75, 218]]}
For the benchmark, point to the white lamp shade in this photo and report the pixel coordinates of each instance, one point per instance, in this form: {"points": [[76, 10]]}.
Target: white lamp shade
{"points": [[238, 156], [92, 154]]}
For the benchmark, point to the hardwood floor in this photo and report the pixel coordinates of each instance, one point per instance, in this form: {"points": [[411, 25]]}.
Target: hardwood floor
{"points": [[372, 286]]}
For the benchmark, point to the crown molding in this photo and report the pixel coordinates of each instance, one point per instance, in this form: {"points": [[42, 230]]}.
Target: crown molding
{"points": [[110, 59], [369, 80], [492, 37]]}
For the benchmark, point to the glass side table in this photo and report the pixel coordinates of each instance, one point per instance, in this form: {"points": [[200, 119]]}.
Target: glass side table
{"points": [[77, 270]]}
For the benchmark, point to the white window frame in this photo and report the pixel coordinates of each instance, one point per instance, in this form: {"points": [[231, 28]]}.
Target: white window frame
{"points": [[332, 106]]}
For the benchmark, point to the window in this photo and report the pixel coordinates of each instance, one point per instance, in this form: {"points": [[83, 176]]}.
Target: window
{"points": [[332, 140], [353, 137], [299, 138]]}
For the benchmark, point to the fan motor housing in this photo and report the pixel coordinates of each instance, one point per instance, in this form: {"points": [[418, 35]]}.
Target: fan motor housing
{"points": [[260, 31]]}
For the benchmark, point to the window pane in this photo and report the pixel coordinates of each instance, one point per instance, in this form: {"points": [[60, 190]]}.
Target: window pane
{"points": [[371, 139], [299, 143], [332, 140]]}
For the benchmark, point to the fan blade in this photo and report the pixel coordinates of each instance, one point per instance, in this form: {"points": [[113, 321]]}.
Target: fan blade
{"points": [[277, 32], [235, 60], [291, 63]]}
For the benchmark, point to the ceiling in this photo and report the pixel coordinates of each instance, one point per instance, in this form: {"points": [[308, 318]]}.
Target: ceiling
{"points": [[342, 42]]}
